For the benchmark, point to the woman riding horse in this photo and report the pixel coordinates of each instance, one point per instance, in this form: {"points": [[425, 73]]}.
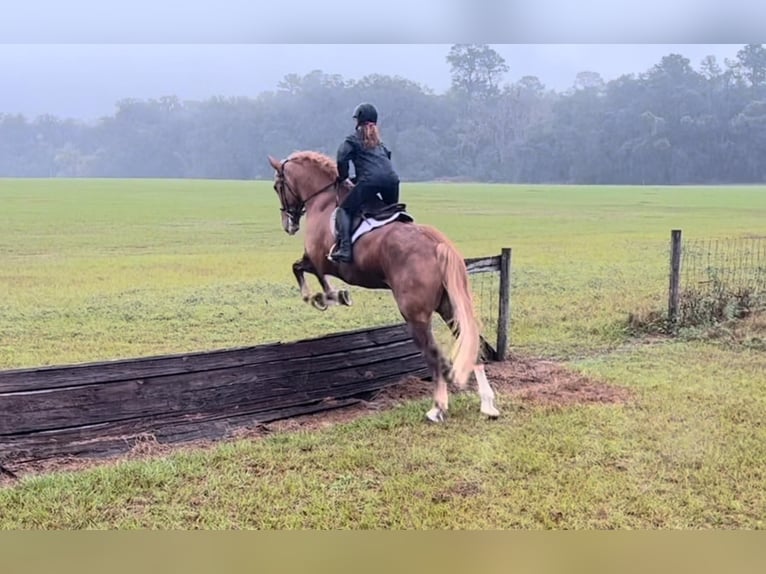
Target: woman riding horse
{"points": [[419, 265], [375, 175]]}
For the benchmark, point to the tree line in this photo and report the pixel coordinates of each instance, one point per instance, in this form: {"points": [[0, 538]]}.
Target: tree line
{"points": [[673, 124]]}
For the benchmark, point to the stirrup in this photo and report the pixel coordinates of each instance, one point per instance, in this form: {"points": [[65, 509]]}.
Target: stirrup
{"points": [[346, 257], [333, 252], [340, 258]]}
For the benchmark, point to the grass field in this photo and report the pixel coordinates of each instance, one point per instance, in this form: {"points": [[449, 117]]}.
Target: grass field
{"points": [[94, 270]]}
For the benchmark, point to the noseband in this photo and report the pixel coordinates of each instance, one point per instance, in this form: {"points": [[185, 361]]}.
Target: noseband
{"points": [[282, 186]]}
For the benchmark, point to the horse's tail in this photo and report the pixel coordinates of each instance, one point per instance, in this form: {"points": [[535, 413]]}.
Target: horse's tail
{"points": [[465, 351]]}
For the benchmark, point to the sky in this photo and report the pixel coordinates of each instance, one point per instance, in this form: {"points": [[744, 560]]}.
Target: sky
{"points": [[85, 81], [78, 58]]}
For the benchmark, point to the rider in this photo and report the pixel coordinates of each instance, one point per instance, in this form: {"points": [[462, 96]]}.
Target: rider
{"points": [[374, 175]]}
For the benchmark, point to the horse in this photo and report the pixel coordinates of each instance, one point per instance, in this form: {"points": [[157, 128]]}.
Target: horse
{"points": [[419, 265]]}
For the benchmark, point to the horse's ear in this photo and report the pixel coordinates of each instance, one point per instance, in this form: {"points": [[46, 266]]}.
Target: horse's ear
{"points": [[275, 163]]}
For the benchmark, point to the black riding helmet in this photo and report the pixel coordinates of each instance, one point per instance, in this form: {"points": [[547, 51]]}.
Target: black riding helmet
{"points": [[365, 113]]}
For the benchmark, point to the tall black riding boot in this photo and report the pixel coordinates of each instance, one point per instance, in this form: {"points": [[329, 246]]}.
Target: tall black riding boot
{"points": [[342, 250]]}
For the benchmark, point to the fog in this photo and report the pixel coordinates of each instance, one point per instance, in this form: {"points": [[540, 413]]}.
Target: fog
{"points": [[85, 81]]}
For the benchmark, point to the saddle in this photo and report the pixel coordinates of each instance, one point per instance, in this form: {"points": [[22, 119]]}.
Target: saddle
{"points": [[380, 210], [373, 214]]}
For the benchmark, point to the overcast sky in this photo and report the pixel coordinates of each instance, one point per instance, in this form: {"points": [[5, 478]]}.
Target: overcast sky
{"points": [[77, 58], [85, 81]]}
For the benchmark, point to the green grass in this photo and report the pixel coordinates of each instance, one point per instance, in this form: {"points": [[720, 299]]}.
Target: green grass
{"points": [[686, 454], [101, 269], [94, 270]]}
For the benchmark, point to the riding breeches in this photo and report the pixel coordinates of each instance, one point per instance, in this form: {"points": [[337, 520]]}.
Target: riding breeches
{"points": [[364, 192]]}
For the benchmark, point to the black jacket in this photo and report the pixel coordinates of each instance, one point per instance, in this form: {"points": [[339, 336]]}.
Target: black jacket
{"points": [[372, 166]]}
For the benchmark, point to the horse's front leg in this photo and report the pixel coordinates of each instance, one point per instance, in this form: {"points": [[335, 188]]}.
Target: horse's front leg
{"points": [[333, 296], [300, 268], [328, 296]]}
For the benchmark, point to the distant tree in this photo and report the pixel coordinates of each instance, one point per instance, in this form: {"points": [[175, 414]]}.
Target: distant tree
{"points": [[710, 69], [476, 70], [749, 127], [587, 80], [751, 60], [671, 124], [671, 68]]}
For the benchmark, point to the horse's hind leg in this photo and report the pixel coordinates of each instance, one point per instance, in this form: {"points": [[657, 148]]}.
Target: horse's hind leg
{"points": [[486, 394], [437, 365]]}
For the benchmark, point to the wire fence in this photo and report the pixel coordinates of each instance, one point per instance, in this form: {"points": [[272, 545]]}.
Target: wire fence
{"points": [[491, 303], [721, 279], [485, 288]]}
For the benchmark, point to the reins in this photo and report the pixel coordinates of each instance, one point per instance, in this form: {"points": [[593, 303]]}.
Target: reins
{"points": [[299, 209]]}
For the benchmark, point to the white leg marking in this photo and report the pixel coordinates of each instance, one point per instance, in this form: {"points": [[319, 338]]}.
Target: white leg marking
{"points": [[486, 394], [435, 415]]}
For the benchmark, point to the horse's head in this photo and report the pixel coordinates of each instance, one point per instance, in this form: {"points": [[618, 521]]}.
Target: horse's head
{"points": [[291, 204], [297, 180]]}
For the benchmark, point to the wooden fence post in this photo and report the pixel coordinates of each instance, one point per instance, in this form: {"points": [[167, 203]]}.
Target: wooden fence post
{"points": [[674, 289], [504, 304]]}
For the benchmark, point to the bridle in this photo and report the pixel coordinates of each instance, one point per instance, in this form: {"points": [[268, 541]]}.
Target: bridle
{"points": [[282, 186]]}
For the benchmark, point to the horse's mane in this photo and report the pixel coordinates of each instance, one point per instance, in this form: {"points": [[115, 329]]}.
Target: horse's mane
{"points": [[320, 160]]}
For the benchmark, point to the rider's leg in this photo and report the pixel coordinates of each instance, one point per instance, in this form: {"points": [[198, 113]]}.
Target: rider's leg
{"points": [[390, 193], [343, 217]]}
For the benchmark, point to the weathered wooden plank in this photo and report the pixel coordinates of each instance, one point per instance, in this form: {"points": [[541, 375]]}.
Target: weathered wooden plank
{"points": [[107, 442], [190, 392], [158, 422], [118, 437], [160, 425], [120, 370], [482, 264]]}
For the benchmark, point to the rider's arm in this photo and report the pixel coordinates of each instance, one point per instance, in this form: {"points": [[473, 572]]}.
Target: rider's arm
{"points": [[345, 154]]}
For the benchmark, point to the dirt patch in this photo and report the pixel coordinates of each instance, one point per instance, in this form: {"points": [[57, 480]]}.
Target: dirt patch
{"points": [[549, 383], [462, 489], [532, 381]]}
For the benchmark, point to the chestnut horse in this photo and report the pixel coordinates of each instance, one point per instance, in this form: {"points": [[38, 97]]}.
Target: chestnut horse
{"points": [[417, 263]]}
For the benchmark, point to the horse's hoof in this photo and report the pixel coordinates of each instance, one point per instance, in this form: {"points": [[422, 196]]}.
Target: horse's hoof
{"points": [[344, 297], [435, 415], [488, 408], [318, 301]]}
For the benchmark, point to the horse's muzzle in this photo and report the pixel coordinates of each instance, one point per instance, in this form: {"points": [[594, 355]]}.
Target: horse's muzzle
{"points": [[290, 226]]}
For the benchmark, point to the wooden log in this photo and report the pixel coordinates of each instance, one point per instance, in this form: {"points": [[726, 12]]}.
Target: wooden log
{"points": [[482, 264], [119, 439], [284, 382], [120, 436], [107, 371]]}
